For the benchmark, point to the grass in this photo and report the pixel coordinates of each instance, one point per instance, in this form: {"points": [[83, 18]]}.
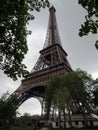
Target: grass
{"points": [[75, 129], [22, 128], [32, 128]]}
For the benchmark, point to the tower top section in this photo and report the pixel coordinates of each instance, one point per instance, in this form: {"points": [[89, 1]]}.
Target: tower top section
{"points": [[52, 56], [52, 36], [52, 8]]}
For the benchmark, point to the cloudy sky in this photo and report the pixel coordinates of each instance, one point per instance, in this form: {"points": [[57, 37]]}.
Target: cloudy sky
{"points": [[81, 51]]}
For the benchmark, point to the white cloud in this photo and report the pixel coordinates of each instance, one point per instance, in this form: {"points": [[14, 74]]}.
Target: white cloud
{"points": [[31, 106], [95, 75]]}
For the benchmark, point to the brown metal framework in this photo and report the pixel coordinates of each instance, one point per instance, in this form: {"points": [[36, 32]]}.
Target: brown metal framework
{"points": [[52, 61]]}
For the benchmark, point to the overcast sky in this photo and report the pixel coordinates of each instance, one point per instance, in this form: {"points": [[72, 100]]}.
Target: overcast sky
{"points": [[81, 51]]}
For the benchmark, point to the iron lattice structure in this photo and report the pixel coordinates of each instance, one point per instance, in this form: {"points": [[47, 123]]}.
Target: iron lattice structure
{"points": [[52, 61]]}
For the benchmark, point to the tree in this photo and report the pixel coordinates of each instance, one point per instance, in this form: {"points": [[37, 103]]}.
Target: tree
{"points": [[57, 99], [71, 92], [79, 85], [62, 101], [95, 95], [25, 119], [52, 86], [7, 111], [14, 16], [91, 23]]}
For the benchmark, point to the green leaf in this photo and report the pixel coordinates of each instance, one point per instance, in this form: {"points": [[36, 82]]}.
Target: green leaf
{"points": [[96, 44]]}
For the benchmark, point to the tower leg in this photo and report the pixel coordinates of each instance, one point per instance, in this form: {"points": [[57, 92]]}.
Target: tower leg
{"points": [[42, 110], [41, 100]]}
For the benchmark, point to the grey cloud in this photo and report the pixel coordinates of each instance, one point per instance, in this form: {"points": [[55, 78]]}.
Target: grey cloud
{"points": [[81, 51]]}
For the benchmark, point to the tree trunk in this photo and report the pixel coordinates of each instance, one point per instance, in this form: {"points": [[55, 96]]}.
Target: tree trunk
{"points": [[64, 119], [59, 119], [82, 110], [84, 116], [70, 120], [85, 120]]}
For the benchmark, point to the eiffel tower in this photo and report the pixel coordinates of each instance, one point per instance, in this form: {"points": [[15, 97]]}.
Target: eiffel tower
{"points": [[52, 61]]}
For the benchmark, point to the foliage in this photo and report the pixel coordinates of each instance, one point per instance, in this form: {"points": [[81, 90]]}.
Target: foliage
{"points": [[78, 84], [96, 97], [91, 23], [62, 101], [21, 128], [7, 111], [71, 92], [14, 16], [95, 94], [61, 98], [26, 120], [52, 86], [23, 120]]}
